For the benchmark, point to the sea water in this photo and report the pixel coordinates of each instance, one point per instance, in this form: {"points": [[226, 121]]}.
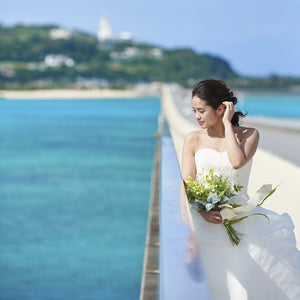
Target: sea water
{"points": [[75, 180], [275, 105]]}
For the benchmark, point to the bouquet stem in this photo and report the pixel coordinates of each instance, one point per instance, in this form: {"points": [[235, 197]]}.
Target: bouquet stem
{"points": [[232, 233]]}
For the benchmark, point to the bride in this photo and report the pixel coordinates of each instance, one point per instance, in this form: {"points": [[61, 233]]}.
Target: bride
{"points": [[266, 263]]}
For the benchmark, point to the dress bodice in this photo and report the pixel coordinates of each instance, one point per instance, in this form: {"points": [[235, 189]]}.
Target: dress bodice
{"points": [[207, 158]]}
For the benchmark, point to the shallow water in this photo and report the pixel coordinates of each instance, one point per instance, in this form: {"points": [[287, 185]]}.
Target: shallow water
{"points": [[75, 184], [276, 105]]}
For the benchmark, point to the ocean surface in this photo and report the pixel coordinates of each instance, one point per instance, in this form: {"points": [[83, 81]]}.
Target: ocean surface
{"points": [[75, 180], [275, 105]]}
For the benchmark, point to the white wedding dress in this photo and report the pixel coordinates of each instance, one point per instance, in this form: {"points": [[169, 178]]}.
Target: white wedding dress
{"points": [[266, 263]]}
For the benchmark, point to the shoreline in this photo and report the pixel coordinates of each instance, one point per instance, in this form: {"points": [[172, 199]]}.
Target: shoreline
{"points": [[74, 94], [67, 94]]}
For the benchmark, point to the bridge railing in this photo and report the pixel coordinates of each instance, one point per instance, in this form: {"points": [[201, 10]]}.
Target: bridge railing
{"points": [[181, 274]]}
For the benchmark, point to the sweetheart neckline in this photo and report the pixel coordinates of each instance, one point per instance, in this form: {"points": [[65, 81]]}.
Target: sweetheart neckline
{"points": [[221, 153], [210, 149]]}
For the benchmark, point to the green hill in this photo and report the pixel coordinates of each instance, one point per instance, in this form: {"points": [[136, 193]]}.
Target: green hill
{"points": [[31, 56], [49, 57]]}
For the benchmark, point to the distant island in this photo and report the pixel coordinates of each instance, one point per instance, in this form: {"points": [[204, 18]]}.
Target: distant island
{"points": [[48, 56]]}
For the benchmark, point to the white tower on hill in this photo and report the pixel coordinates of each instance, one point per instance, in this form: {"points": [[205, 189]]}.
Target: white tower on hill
{"points": [[104, 30]]}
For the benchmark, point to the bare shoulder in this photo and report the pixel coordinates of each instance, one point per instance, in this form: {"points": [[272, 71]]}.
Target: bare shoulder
{"points": [[194, 136], [244, 133], [192, 139]]}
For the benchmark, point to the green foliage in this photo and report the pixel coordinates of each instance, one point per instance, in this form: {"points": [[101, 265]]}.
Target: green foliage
{"points": [[211, 190], [33, 43], [179, 66], [21, 46]]}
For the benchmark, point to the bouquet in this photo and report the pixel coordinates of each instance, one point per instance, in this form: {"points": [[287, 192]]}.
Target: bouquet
{"points": [[211, 191]]}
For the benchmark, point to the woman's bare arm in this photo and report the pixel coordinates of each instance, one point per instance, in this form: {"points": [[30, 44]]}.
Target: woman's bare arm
{"points": [[238, 153], [188, 166], [189, 169]]}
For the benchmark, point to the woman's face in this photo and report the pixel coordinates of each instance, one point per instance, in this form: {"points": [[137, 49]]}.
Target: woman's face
{"points": [[205, 115]]}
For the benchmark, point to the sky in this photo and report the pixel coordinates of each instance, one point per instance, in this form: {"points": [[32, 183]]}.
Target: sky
{"points": [[257, 37]]}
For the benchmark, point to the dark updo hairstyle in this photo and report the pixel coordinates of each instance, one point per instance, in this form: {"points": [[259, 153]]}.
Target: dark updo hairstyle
{"points": [[214, 92]]}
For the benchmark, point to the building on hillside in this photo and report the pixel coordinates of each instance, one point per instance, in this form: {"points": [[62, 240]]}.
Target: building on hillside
{"points": [[57, 60], [105, 33], [60, 33]]}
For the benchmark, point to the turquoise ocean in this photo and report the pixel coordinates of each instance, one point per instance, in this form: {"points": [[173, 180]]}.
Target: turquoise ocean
{"points": [[275, 105], [75, 181]]}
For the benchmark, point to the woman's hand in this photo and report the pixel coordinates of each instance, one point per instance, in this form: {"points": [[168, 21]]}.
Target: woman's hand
{"points": [[211, 216], [229, 112]]}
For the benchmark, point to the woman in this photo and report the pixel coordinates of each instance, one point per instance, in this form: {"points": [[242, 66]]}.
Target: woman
{"points": [[266, 263]]}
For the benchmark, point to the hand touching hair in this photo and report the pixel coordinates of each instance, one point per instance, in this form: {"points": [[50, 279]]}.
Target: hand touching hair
{"points": [[214, 93]]}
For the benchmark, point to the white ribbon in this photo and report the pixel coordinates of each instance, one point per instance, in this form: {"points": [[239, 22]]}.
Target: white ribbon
{"points": [[231, 213]]}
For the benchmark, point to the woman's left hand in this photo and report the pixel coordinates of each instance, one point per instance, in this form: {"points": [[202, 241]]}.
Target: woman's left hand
{"points": [[229, 112]]}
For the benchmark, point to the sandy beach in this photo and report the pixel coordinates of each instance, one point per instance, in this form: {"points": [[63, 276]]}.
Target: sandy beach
{"points": [[267, 167], [152, 89], [67, 94]]}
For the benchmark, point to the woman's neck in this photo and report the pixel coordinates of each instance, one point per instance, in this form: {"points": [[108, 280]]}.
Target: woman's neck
{"points": [[217, 130]]}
